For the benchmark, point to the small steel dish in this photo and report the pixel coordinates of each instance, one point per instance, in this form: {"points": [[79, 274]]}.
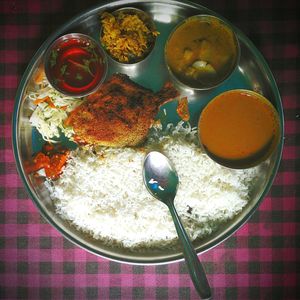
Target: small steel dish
{"points": [[86, 42], [239, 160], [251, 73], [183, 76], [148, 21]]}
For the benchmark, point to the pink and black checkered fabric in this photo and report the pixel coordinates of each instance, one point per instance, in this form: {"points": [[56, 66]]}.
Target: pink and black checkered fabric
{"points": [[258, 262]]}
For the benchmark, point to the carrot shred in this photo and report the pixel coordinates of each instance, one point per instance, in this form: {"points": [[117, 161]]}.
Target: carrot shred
{"points": [[50, 103], [40, 100], [45, 99], [39, 75]]}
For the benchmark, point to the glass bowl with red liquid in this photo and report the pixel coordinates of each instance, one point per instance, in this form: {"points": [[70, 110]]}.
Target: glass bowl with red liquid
{"points": [[75, 64]]}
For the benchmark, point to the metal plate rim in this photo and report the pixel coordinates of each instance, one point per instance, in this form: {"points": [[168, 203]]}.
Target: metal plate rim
{"points": [[15, 144]]}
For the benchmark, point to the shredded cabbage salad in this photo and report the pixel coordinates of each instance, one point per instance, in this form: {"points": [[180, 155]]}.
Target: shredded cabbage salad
{"points": [[48, 116]]}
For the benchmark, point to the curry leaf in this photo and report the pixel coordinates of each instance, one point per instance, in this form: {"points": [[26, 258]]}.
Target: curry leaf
{"points": [[78, 76], [53, 57], [63, 69]]}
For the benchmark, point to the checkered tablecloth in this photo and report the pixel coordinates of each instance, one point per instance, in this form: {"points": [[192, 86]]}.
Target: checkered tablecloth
{"points": [[258, 262]]}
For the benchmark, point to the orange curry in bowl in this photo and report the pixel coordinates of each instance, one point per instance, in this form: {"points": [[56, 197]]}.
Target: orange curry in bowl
{"points": [[239, 128]]}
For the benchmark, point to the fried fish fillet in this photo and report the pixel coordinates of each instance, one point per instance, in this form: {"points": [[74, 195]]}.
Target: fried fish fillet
{"points": [[119, 114]]}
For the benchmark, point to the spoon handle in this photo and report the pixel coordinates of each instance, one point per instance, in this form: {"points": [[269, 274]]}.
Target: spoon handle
{"points": [[195, 267]]}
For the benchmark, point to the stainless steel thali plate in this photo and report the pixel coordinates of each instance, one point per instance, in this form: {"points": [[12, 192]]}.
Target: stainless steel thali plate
{"points": [[251, 73]]}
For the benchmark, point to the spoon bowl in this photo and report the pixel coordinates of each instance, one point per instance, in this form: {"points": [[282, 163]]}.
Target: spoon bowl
{"points": [[161, 180], [160, 177]]}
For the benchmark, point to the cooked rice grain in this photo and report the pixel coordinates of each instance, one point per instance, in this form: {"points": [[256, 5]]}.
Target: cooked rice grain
{"points": [[103, 194]]}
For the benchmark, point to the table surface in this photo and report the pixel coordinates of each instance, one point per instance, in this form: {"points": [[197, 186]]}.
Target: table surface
{"points": [[257, 262]]}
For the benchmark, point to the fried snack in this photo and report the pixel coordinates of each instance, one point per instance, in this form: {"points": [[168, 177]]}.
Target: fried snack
{"points": [[119, 114]]}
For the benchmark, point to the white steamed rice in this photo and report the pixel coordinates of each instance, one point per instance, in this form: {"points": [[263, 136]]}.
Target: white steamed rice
{"points": [[103, 194]]}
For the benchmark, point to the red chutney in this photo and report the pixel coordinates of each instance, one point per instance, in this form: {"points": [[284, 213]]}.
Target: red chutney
{"points": [[75, 66], [49, 159]]}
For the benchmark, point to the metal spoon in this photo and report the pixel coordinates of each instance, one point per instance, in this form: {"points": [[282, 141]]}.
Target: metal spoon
{"points": [[161, 180]]}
